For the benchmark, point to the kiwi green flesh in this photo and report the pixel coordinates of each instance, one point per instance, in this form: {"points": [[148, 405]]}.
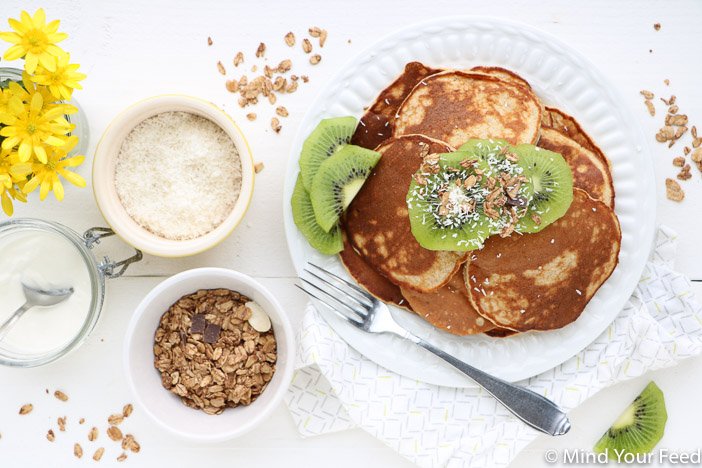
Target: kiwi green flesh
{"points": [[552, 180], [327, 138], [469, 236], [327, 243], [338, 180], [639, 428]]}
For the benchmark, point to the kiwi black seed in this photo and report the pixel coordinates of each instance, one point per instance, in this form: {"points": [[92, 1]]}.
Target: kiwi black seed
{"points": [[327, 243], [326, 139], [338, 180], [553, 186], [639, 428]]}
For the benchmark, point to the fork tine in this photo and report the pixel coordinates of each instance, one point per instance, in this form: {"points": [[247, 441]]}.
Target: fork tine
{"points": [[331, 296], [360, 291], [339, 314], [344, 293]]}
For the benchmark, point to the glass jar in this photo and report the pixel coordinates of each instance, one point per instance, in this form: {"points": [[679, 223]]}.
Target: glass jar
{"points": [[81, 131], [97, 272]]}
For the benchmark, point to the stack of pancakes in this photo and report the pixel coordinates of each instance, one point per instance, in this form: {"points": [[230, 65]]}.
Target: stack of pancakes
{"points": [[525, 282]]}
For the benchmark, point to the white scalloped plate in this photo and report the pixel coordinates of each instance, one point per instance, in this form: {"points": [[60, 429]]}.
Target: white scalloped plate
{"points": [[561, 77]]}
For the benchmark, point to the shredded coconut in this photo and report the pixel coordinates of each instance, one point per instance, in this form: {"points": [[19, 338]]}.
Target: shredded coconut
{"points": [[178, 175]]}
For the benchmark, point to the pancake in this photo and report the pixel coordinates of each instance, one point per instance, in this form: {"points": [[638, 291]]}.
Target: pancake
{"points": [[455, 106], [543, 281], [377, 221], [368, 278], [590, 173], [500, 332], [502, 73], [564, 123], [376, 124], [448, 308]]}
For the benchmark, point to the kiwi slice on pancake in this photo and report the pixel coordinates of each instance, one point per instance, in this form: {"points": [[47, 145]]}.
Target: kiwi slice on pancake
{"points": [[458, 224], [553, 186], [639, 428], [326, 139], [338, 180], [468, 196], [327, 243]]}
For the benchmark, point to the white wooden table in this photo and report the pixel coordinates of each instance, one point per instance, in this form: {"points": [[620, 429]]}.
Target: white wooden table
{"points": [[132, 49]]}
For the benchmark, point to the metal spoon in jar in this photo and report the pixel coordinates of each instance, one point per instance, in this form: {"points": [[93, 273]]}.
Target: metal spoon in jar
{"points": [[35, 298]]}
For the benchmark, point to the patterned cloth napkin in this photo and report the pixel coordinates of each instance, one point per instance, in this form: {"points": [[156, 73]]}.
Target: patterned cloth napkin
{"points": [[336, 388]]}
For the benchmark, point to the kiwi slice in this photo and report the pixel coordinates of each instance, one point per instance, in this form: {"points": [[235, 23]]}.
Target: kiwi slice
{"points": [[466, 200], [553, 186], [639, 428], [338, 180], [326, 139], [327, 243]]}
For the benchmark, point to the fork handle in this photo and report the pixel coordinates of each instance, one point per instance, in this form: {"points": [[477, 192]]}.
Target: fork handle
{"points": [[534, 409]]}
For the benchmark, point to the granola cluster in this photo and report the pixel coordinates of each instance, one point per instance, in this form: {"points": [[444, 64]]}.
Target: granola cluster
{"points": [[210, 355]]}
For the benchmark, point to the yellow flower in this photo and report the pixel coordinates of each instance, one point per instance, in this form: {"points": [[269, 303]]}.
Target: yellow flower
{"points": [[31, 125], [34, 40], [47, 175], [8, 180], [5, 95], [63, 80]]}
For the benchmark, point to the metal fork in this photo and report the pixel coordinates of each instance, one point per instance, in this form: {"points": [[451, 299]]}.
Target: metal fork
{"points": [[373, 316]]}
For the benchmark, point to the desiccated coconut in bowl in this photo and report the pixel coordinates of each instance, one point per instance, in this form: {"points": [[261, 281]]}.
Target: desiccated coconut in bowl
{"points": [[173, 175]]}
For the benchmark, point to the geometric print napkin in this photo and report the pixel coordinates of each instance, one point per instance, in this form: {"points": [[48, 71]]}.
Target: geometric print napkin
{"points": [[336, 388]]}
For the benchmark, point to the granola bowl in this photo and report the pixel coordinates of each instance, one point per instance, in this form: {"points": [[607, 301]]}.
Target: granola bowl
{"points": [[201, 375]]}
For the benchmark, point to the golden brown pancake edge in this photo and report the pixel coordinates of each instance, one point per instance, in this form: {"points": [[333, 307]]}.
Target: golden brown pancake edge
{"points": [[550, 275]]}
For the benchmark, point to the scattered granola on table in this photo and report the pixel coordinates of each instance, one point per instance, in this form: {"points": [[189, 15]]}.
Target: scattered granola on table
{"points": [[675, 127], [234, 369], [265, 87], [673, 190]]}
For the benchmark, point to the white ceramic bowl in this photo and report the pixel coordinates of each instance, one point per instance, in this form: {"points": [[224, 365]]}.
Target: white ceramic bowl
{"points": [[104, 181], [167, 409]]}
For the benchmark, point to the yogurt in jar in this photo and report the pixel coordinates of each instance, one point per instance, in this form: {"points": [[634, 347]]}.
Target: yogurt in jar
{"points": [[43, 260]]}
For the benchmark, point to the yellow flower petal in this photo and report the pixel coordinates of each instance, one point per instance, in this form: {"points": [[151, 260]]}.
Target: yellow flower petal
{"points": [[72, 177], [12, 38], [10, 142], [14, 52], [31, 185], [25, 151], [48, 61], [26, 19], [21, 169], [54, 141], [56, 37], [17, 26], [31, 61], [58, 189], [39, 19], [45, 188], [52, 27], [37, 103], [41, 153], [73, 161], [6, 204], [69, 144]]}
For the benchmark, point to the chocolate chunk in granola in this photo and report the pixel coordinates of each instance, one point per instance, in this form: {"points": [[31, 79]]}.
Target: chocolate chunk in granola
{"points": [[212, 333], [198, 324]]}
